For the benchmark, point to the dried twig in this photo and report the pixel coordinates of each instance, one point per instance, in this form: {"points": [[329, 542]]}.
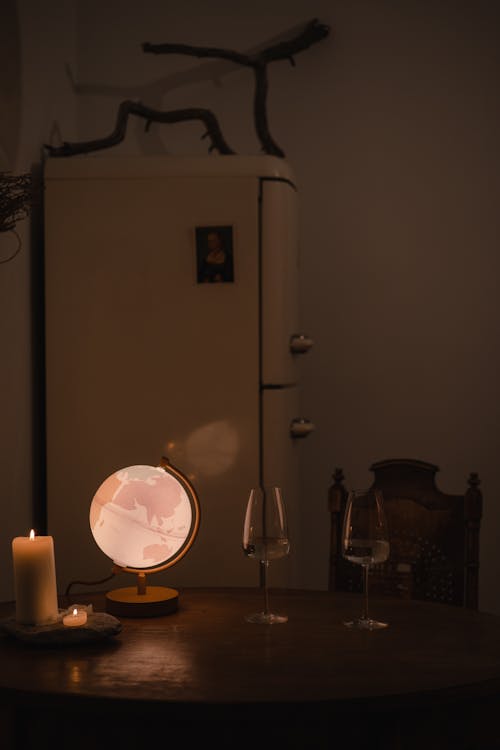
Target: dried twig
{"points": [[150, 115], [312, 33], [15, 199]]}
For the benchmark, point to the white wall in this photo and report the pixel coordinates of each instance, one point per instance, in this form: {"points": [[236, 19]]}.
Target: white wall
{"points": [[391, 127], [401, 254]]}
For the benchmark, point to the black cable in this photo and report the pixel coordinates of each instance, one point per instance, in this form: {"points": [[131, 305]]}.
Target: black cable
{"points": [[88, 583]]}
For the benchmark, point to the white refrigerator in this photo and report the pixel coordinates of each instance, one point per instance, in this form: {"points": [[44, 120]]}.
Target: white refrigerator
{"points": [[172, 328]]}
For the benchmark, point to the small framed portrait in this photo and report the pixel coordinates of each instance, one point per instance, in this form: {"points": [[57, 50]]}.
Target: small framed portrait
{"points": [[214, 254]]}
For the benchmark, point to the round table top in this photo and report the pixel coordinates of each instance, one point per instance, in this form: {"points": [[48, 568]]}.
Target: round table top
{"points": [[206, 653]]}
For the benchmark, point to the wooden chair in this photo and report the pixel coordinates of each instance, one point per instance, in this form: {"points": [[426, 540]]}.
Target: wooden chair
{"points": [[434, 536]]}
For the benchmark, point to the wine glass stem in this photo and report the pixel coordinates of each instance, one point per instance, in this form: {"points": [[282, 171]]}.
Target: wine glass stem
{"points": [[265, 564], [365, 599]]}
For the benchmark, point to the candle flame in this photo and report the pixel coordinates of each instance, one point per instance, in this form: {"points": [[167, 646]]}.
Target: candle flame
{"points": [[75, 612], [32, 534]]}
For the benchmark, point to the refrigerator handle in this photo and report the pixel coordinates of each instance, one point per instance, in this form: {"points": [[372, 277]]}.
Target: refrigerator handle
{"points": [[301, 427], [300, 343]]}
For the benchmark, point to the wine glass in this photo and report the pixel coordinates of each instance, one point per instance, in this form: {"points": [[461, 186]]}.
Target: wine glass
{"points": [[365, 541], [265, 538]]}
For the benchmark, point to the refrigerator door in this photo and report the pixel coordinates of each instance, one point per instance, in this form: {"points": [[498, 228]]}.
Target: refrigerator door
{"points": [[281, 458], [279, 280], [144, 359]]}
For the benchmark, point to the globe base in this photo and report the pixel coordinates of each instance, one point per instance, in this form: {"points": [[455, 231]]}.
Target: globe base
{"points": [[156, 601]]}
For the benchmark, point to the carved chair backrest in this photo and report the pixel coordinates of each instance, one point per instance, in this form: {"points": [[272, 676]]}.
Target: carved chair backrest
{"points": [[434, 536]]}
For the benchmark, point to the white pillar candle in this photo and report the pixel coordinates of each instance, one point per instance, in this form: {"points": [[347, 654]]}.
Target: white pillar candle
{"points": [[35, 579]]}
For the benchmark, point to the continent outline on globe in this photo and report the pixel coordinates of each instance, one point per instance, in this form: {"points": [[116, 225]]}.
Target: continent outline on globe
{"points": [[145, 518]]}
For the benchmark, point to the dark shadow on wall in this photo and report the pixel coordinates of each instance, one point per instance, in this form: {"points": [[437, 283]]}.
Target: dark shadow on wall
{"points": [[10, 84]]}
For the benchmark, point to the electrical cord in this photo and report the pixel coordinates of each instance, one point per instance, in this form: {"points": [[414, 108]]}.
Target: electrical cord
{"points": [[88, 583]]}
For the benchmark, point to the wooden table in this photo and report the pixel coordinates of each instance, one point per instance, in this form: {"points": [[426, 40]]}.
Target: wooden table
{"points": [[430, 680]]}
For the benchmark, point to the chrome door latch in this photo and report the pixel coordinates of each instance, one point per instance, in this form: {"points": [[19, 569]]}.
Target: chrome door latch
{"points": [[301, 427], [300, 343]]}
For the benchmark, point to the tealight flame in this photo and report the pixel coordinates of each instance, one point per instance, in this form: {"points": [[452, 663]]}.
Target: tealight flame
{"points": [[75, 612], [32, 534]]}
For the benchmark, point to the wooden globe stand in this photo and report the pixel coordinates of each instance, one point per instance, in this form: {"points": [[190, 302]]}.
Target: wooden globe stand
{"points": [[142, 600]]}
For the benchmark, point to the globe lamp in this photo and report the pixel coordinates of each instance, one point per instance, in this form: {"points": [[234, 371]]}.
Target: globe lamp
{"points": [[145, 518]]}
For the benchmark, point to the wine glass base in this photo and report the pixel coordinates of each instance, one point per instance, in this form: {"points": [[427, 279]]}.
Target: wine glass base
{"points": [[266, 618], [365, 623]]}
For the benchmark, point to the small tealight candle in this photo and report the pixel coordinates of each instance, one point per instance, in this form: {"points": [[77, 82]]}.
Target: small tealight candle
{"points": [[75, 619]]}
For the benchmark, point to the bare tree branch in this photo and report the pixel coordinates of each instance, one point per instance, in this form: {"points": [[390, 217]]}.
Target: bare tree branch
{"points": [[150, 115], [187, 49], [312, 33]]}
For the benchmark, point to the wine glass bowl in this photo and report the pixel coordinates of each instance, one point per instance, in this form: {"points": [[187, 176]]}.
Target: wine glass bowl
{"points": [[265, 538], [365, 542]]}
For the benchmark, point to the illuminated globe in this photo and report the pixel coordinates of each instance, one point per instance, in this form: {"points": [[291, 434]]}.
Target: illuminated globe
{"points": [[143, 516]]}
